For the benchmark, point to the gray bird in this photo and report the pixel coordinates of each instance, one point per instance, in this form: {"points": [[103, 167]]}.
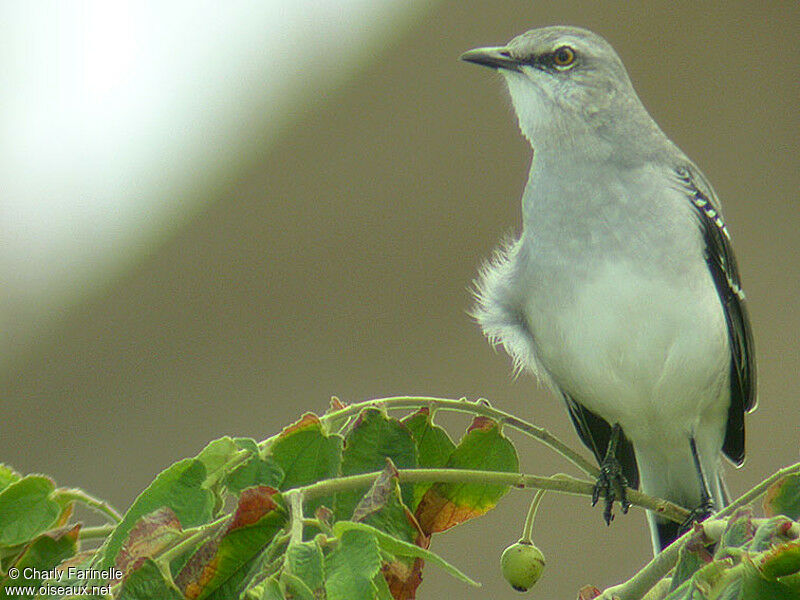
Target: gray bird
{"points": [[622, 291]]}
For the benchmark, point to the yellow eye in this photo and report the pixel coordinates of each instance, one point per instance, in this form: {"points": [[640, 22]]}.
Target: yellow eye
{"points": [[563, 57]]}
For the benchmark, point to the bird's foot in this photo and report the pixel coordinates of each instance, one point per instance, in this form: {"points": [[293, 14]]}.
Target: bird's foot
{"points": [[698, 514], [611, 484]]}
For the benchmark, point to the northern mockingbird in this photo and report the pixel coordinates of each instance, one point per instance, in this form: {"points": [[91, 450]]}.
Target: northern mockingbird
{"points": [[622, 292]]}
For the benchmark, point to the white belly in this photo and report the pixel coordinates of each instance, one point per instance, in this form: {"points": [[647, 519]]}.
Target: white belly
{"points": [[650, 356]]}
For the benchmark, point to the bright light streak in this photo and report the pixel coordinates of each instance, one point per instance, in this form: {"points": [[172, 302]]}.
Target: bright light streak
{"points": [[115, 113]]}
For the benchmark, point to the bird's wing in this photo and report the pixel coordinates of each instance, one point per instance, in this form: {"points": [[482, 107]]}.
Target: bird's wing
{"points": [[722, 264], [595, 432]]}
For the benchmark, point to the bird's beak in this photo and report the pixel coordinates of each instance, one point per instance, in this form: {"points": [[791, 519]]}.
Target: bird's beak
{"points": [[497, 58]]}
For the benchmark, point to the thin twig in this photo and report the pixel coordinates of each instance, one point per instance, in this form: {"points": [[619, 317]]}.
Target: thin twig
{"points": [[101, 506]]}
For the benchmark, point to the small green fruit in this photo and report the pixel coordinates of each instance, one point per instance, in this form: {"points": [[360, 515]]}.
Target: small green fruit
{"points": [[522, 565]]}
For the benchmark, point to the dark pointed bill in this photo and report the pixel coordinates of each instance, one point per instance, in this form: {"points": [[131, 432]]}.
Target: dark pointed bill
{"points": [[495, 57]]}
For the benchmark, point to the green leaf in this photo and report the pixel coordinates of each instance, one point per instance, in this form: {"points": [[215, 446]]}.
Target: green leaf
{"points": [[783, 497], [686, 591], [245, 443], [179, 487], [792, 582], [45, 552], [691, 557], [372, 439], [781, 561], [148, 582], [434, 447], [770, 532], [215, 456], [257, 570], [713, 575], [305, 561], [756, 587], [400, 548], [255, 471], [351, 566], [7, 476], [381, 589], [731, 589], [218, 568], [27, 508], [484, 447], [307, 454], [269, 589], [739, 531], [296, 587]]}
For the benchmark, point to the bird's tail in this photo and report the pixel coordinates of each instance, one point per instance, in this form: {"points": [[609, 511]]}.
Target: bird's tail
{"points": [[665, 532]]}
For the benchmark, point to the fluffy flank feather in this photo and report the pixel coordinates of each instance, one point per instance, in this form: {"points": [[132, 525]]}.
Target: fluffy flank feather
{"points": [[498, 310]]}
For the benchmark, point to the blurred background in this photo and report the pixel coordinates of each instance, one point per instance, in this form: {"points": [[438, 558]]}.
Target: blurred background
{"points": [[214, 219]]}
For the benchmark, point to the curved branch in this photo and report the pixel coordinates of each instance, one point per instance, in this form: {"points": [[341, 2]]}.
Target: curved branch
{"points": [[482, 408]]}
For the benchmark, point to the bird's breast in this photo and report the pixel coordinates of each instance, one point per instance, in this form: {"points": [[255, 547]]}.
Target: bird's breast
{"points": [[638, 346]]}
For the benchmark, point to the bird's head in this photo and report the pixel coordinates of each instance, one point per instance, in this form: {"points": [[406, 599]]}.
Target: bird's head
{"points": [[563, 81]]}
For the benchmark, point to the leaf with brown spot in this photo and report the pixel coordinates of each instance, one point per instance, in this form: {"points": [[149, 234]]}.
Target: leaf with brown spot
{"points": [[220, 561], [337, 404], [481, 424], [43, 553], [382, 507], [483, 447], [403, 578], [379, 494], [151, 534], [180, 487], [308, 421], [588, 592]]}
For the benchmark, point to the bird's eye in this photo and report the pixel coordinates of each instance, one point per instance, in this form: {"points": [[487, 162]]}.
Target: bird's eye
{"points": [[563, 57]]}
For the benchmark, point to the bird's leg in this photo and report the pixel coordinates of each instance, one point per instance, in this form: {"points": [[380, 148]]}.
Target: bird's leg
{"points": [[611, 483], [703, 510]]}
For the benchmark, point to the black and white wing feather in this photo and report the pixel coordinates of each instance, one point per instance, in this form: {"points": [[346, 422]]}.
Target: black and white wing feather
{"points": [[722, 264]]}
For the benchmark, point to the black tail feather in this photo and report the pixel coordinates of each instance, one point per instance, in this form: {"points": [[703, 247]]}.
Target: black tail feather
{"points": [[667, 532]]}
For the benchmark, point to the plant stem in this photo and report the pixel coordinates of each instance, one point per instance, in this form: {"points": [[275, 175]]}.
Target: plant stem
{"points": [[528, 529], [93, 533], [560, 483], [190, 539], [478, 408], [101, 506], [295, 498]]}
